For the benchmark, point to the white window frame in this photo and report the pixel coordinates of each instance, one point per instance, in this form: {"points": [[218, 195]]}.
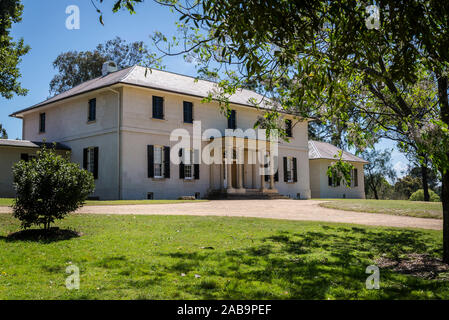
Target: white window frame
{"points": [[188, 165], [289, 169], [158, 165]]}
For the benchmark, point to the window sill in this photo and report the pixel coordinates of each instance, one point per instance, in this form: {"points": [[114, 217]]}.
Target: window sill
{"points": [[159, 119], [91, 121], [158, 178]]}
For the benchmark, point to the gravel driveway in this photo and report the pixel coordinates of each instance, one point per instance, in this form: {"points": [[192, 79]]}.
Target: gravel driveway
{"points": [[305, 210]]}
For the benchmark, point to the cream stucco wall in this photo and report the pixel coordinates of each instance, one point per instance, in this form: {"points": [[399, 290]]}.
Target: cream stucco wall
{"points": [[66, 122], [320, 187], [8, 157]]}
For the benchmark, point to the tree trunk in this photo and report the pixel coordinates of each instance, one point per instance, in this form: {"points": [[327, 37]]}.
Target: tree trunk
{"points": [[443, 100], [425, 184], [445, 200]]}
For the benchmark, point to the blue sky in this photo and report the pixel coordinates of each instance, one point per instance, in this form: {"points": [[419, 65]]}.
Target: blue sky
{"points": [[43, 29]]}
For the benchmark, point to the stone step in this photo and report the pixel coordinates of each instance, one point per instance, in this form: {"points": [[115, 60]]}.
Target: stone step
{"points": [[248, 195]]}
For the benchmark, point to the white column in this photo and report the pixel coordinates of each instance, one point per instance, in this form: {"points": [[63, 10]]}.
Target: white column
{"points": [[229, 176]]}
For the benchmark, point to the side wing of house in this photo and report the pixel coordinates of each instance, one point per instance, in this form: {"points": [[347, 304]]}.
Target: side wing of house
{"points": [[323, 187]]}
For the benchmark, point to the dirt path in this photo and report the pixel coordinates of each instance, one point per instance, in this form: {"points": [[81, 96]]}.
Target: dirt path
{"points": [[307, 210]]}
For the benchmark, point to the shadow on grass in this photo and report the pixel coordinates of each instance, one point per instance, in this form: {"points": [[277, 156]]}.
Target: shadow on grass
{"points": [[41, 235], [309, 265]]}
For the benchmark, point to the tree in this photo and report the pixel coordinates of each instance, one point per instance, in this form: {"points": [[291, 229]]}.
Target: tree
{"points": [[406, 186], [377, 170], [384, 189], [419, 196], [10, 51], [48, 188], [326, 58], [76, 67], [3, 134]]}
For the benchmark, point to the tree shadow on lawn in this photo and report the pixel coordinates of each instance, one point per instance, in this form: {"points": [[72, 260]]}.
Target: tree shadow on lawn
{"points": [[43, 236], [311, 265]]}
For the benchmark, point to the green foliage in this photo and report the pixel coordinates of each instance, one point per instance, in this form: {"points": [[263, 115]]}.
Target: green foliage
{"points": [[384, 189], [10, 51], [76, 67], [377, 171], [3, 134], [340, 171], [48, 188], [419, 196], [406, 186]]}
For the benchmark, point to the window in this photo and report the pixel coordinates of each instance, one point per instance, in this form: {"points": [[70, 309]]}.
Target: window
{"points": [[288, 128], [158, 107], [150, 196], [232, 122], [158, 162], [90, 160], [290, 169], [188, 112], [42, 122], [92, 114], [189, 167], [333, 181], [355, 178]]}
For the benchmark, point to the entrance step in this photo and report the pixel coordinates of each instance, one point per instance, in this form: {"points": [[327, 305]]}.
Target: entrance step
{"points": [[247, 195]]}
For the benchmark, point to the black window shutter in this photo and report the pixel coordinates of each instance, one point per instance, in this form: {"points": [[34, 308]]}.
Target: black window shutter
{"points": [[188, 112], [267, 178], [85, 158], [288, 128], [329, 180], [181, 166], [95, 163], [196, 165], [232, 123], [92, 109], [285, 170], [150, 151], [356, 178], [295, 170], [158, 107], [24, 157], [276, 176], [167, 162]]}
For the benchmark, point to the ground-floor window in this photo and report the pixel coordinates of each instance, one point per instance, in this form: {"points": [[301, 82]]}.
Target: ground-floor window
{"points": [[158, 162], [90, 160]]}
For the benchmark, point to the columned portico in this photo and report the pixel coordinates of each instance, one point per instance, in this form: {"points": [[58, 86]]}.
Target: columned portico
{"points": [[242, 169]]}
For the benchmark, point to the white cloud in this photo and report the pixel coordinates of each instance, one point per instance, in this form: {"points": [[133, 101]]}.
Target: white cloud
{"points": [[400, 169]]}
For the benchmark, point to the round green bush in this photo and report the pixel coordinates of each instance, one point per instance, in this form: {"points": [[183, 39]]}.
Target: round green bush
{"points": [[48, 188], [419, 196]]}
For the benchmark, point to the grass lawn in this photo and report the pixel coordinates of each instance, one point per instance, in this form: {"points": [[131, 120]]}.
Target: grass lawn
{"points": [[9, 201], [178, 257], [396, 207]]}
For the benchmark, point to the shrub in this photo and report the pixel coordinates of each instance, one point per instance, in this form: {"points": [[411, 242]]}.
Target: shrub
{"points": [[48, 188], [419, 196]]}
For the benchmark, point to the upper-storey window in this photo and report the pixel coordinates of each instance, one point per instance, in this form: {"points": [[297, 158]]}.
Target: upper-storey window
{"points": [[188, 112], [42, 122], [288, 128], [92, 114], [158, 107], [232, 122]]}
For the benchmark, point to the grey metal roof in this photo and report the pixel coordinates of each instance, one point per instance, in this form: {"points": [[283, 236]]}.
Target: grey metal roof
{"points": [[324, 150], [159, 80], [31, 144]]}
